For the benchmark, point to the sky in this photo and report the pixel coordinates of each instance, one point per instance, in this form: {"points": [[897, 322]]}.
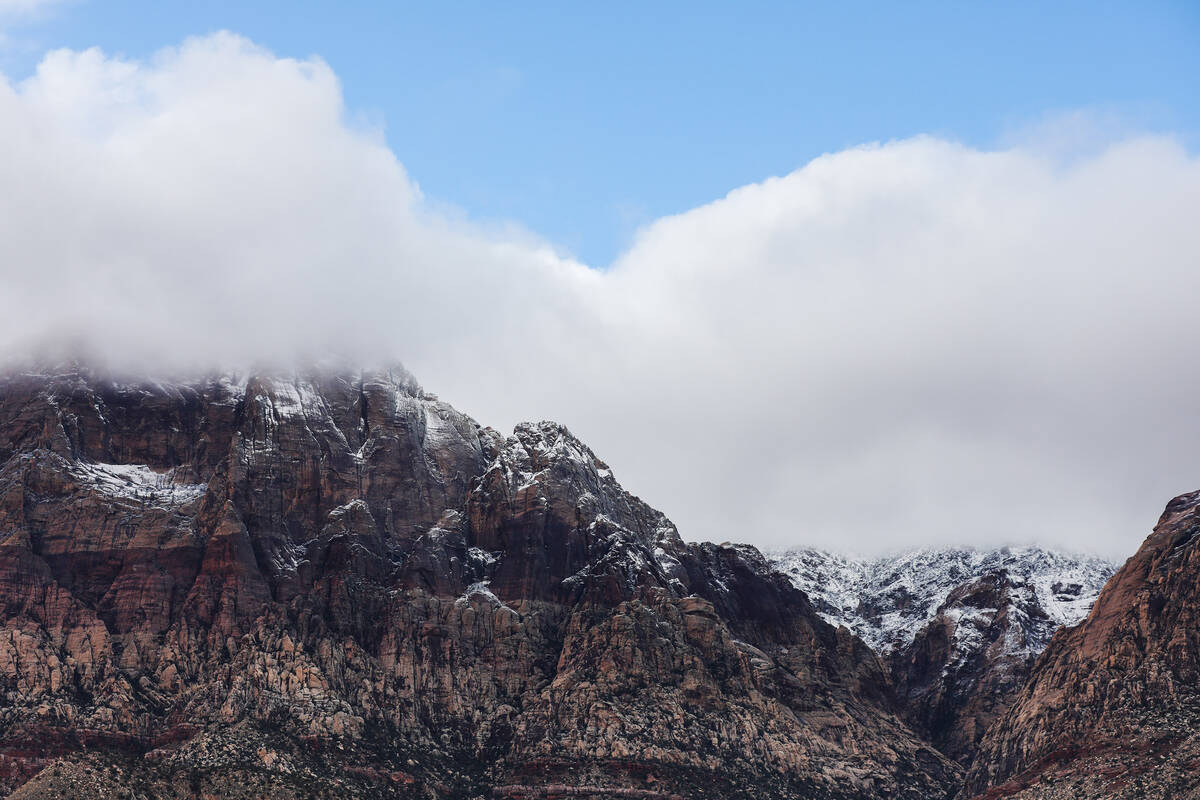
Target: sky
{"points": [[585, 123], [862, 277]]}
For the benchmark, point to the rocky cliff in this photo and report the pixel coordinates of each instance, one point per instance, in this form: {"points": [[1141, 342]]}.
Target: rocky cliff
{"points": [[1112, 708], [334, 584]]}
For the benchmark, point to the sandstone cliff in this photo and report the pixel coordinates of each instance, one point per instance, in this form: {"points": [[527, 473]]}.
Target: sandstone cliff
{"points": [[1112, 708], [337, 585]]}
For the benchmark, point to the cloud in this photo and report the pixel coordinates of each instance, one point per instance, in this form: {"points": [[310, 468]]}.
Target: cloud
{"points": [[911, 342]]}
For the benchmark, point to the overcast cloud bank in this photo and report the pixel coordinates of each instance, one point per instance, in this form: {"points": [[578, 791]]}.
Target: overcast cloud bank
{"points": [[915, 342]]}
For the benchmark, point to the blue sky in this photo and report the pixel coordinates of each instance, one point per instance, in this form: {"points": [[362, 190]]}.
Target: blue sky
{"points": [[582, 123]]}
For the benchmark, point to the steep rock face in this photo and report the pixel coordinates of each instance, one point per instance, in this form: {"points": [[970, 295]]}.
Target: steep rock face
{"points": [[963, 669], [959, 629], [1112, 708], [242, 586]]}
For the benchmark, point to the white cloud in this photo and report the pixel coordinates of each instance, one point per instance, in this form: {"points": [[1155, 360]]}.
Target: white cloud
{"points": [[898, 343]]}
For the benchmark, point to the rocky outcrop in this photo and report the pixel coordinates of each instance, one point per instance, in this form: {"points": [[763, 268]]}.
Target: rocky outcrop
{"points": [[963, 669], [244, 586], [1112, 707], [959, 629]]}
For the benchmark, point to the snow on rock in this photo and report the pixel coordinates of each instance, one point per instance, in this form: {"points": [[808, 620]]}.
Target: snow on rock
{"points": [[138, 482], [481, 556], [887, 600], [481, 589]]}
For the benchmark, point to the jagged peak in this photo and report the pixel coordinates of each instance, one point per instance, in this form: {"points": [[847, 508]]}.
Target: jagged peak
{"points": [[535, 447], [553, 439], [886, 599]]}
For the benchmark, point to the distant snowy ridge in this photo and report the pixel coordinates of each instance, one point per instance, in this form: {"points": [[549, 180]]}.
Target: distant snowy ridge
{"points": [[887, 600]]}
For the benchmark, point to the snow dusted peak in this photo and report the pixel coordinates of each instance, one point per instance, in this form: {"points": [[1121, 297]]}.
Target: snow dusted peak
{"points": [[593, 535], [886, 600], [538, 451], [958, 628], [305, 386], [548, 441], [397, 379], [832, 582]]}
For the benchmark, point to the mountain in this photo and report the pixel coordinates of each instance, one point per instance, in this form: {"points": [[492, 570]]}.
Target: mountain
{"points": [[332, 584], [1112, 709], [885, 600], [959, 629]]}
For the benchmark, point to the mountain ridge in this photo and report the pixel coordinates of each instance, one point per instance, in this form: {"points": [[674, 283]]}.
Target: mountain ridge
{"points": [[958, 628], [337, 581], [854, 590]]}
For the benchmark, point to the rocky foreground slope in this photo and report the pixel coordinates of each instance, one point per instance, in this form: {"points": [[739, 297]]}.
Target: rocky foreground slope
{"points": [[336, 585], [959, 629]]}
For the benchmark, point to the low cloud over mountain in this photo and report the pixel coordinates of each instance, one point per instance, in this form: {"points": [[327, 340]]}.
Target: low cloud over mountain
{"points": [[971, 345]]}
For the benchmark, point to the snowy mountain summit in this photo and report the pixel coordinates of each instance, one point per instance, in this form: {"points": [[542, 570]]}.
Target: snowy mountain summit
{"points": [[959, 629], [887, 600]]}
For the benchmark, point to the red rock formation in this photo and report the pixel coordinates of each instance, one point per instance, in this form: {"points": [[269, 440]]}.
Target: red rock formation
{"points": [[1112, 708], [239, 587]]}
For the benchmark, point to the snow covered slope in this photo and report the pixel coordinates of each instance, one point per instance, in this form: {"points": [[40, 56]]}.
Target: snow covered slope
{"points": [[887, 600], [958, 629]]}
